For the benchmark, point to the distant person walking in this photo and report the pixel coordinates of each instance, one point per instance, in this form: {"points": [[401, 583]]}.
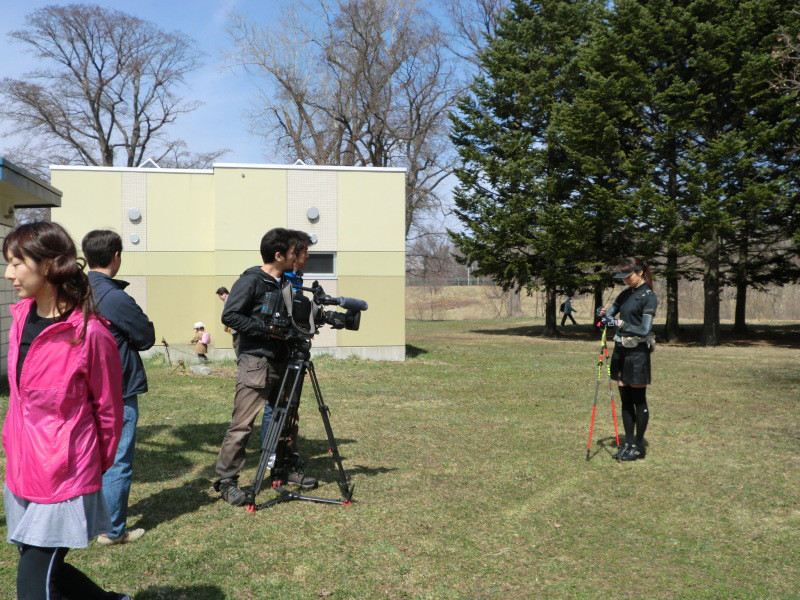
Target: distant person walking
{"points": [[567, 309], [64, 416], [133, 333], [201, 340], [634, 309]]}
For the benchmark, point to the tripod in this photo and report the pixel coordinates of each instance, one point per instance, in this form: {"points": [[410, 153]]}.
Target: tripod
{"points": [[274, 446]]}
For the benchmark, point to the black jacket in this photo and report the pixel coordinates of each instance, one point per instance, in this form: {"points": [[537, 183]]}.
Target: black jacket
{"points": [[132, 329], [243, 313], [631, 306]]}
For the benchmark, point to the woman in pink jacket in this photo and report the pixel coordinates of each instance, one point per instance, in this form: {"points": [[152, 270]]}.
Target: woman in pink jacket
{"points": [[64, 415]]}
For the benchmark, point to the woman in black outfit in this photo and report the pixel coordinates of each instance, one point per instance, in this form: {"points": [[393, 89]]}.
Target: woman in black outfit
{"points": [[632, 314]]}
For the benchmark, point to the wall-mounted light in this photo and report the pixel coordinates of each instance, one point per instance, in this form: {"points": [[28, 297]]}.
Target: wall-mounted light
{"points": [[312, 213], [313, 238], [134, 238], [134, 214]]}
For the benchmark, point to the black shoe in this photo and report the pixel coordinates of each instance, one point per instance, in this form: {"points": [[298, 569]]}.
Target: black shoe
{"points": [[621, 450], [298, 478], [634, 452], [231, 492]]}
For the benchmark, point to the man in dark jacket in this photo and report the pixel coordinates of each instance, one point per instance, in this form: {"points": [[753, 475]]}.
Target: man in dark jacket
{"points": [[134, 332], [262, 361]]}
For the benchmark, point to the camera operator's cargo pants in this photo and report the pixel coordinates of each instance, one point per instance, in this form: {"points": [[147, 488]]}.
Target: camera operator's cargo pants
{"points": [[258, 381]]}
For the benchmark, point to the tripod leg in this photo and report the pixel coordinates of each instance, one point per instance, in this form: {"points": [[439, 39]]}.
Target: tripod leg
{"points": [[344, 483], [270, 450]]}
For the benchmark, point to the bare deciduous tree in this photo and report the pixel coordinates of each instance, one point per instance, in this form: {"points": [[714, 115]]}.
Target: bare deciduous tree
{"points": [[429, 258], [355, 83], [109, 88], [787, 52], [473, 21]]}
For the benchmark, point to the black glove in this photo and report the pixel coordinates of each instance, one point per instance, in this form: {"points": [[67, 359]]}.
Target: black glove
{"points": [[607, 321]]}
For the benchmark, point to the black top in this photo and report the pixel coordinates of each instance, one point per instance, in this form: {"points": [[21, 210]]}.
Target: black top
{"points": [[243, 312], [631, 306], [34, 325]]}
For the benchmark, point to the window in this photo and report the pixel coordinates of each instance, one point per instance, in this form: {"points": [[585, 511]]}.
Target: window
{"points": [[322, 263]]}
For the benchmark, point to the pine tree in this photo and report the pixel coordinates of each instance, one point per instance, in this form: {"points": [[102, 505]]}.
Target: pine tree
{"points": [[742, 168], [515, 184]]}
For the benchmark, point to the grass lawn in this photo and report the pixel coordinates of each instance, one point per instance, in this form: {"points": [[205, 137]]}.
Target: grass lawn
{"points": [[471, 479]]}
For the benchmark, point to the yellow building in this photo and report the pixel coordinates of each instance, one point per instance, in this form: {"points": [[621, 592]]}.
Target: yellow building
{"points": [[185, 233]]}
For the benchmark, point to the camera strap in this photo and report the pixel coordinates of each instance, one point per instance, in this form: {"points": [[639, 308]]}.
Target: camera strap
{"points": [[288, 301]]}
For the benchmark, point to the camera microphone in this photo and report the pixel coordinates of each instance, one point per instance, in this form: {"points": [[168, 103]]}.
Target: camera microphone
{"points": [[351, 303]]}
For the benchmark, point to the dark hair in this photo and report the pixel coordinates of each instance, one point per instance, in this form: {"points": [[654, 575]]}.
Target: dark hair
{"points": [[637, 264], [222, 290], [43, 241], [276, 240], [300, 240], [100, 246]]}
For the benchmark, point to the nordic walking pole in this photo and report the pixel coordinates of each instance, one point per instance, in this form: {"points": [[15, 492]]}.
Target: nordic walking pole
{"points": [[603, 354], [611, 393]]}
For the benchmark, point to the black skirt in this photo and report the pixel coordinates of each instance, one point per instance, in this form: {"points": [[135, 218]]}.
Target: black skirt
{"points": [[631, 365]]}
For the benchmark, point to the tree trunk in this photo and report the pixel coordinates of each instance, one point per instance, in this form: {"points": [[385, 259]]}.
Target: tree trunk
{"points": [[672, 330], [739, 323], [598, 298], [550, 318], [514, 303], [711, 329]]}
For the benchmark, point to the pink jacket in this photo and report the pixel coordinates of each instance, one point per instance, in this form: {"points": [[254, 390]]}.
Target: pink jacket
{"points": [[64, 416]]}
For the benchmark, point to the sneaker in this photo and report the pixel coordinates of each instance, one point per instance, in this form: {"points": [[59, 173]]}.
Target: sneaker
{"points": [[635, 452], [231, 492], [130, 535], [622, 450], [301, 480]]}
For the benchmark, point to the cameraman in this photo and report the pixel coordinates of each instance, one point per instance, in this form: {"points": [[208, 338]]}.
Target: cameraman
{"points": [[300, 242], [262, 361]]}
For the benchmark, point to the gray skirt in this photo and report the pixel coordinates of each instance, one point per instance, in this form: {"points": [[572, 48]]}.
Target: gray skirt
{"points": [[68, 524]]}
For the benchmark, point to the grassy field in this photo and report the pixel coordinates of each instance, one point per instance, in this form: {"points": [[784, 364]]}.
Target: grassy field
{"points": [[471, 479]]}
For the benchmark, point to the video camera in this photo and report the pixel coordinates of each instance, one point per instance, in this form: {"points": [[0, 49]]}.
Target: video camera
{"points": [[304, 316]]}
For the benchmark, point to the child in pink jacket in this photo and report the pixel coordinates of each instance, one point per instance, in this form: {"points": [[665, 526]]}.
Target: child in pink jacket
{"points": [[64, 416], [201, 340]]}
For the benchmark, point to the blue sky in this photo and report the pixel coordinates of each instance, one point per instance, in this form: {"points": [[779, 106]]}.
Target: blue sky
{"points": [[220, 122]]}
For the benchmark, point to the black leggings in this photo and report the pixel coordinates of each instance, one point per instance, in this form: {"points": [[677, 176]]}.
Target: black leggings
{"points": [[634, 412], [42, 574]]}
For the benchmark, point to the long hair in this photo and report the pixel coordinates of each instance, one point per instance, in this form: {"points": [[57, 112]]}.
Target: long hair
{"points": [[637, 264], [50, 242]]}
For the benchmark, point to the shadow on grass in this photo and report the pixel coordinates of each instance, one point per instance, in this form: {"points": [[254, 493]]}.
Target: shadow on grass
{"points": [[171, 503], [320, 463], [606, 446], [189, 592], [164, 452], [781, 336], [571, 332], [413, 351]]}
